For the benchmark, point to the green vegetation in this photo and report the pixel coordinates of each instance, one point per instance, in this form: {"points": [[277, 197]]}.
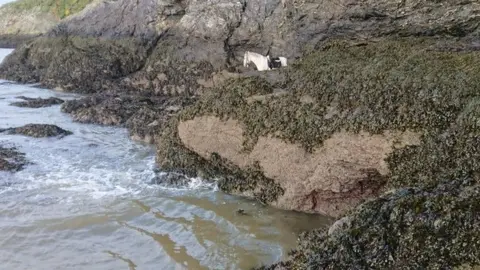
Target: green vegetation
{"points": [[59, 8]]}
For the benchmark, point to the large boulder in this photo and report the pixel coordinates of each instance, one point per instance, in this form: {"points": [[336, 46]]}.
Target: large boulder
{"points": [[351, 117]]}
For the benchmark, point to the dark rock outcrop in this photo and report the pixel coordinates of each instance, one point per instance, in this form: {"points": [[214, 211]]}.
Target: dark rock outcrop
{"points": [[143, 116], [37, 102], [11, 160], [407, 228], [38, 131]]}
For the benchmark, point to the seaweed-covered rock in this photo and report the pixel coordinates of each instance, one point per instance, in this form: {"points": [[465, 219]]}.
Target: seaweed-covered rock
{"points": [[143, 116], [332, 139], [37, 102], [11, 159], [38, 131], [407, 228]]}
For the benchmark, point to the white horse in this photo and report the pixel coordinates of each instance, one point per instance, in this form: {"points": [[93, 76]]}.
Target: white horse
{"points": [[260, 61]]}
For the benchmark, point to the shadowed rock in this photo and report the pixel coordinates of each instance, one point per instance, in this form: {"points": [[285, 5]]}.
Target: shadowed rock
{"points": [[11, 159], [37, 102], [38, 131]]}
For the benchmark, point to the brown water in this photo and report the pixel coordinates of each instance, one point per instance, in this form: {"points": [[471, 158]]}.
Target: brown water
{"points": [[87, 202]]}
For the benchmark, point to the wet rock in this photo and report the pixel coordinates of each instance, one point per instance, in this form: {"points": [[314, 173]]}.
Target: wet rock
{"points": [[11, 160], [409, 228], [143, 116], [38, 131], [37, 102]]}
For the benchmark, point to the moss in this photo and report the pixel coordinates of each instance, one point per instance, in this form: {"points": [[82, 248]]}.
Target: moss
{"points": [[415, 228], [59, 8]]}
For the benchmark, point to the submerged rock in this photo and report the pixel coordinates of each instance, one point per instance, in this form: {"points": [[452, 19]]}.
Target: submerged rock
{"points": [[38, 131], [407, 228], [36, 102], [11, 159]]}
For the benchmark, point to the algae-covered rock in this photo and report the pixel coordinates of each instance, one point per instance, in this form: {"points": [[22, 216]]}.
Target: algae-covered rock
{"points": [[332, 139], [407, 228], [38, 131]]}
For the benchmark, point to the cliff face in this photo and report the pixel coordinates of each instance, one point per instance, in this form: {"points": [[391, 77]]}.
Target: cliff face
{"points": [[213, 35]]}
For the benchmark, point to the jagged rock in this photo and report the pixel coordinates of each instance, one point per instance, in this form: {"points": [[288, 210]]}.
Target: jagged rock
{"points": [[38, 131], [37, 102], [11, 159]]}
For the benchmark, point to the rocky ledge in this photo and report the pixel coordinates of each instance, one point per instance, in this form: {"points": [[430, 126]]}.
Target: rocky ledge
{"points": [[38, 131], [36, 102], [11, 160]]}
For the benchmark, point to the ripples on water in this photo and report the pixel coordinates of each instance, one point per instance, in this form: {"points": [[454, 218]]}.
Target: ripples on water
{"points": [[86, 202]]}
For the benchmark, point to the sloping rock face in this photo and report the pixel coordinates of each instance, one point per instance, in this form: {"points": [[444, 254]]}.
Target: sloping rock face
{"points": [[151, 42], [333, 178]]}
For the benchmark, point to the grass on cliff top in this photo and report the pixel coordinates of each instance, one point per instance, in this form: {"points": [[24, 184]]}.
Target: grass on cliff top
{"points": [[59, 8]]}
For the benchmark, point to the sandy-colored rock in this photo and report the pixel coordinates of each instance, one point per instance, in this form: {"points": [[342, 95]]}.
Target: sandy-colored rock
{"points": [[346, 169]]}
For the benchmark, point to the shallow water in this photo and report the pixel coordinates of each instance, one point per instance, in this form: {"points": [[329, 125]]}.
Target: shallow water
{"points": [[87, 202]]}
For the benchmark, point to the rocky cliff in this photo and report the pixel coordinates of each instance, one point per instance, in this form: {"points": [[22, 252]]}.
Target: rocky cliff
{"points": [[378, 95]]}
